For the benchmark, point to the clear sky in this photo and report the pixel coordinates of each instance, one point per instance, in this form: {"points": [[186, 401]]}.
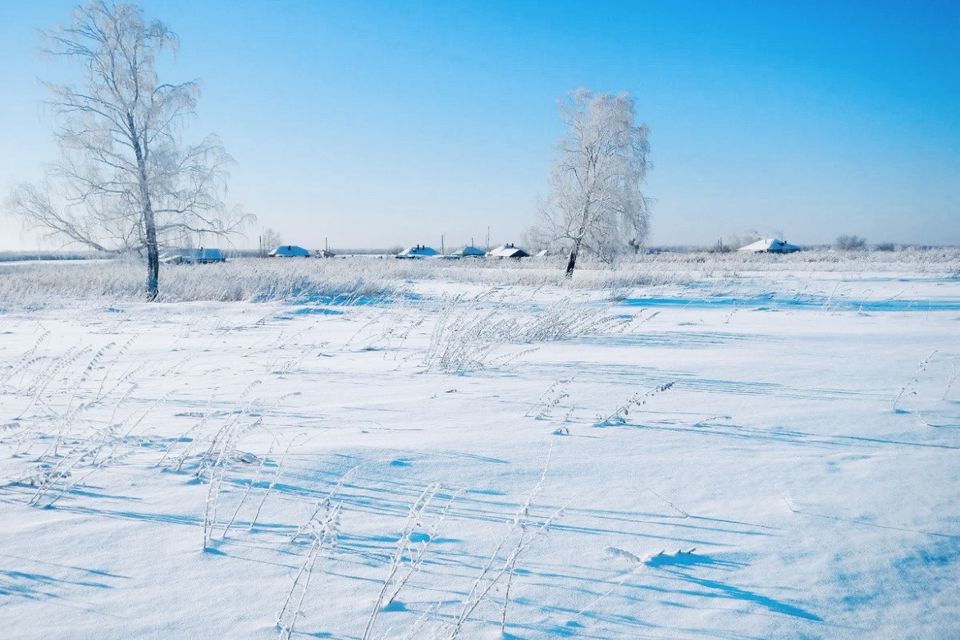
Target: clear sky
{"points": [[387, 123]]}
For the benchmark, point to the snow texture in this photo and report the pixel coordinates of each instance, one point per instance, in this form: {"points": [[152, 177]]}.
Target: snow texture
{"points": [[771, 454]]}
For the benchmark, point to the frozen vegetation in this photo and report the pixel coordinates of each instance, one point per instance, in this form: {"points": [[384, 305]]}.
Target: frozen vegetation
{"points": [[686, 446], [46, 283]]}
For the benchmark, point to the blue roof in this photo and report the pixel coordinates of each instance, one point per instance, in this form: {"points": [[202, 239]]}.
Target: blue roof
{"points": [[418, 251], [290, 251]]}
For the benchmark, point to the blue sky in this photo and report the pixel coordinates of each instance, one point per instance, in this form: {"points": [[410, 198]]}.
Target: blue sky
{"points": [[379, 124]]}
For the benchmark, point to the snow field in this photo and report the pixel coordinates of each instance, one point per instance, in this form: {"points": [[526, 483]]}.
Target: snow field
{"points": [[627, 469]]}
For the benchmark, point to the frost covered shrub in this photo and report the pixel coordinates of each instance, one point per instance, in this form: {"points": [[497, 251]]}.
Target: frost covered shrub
{"points": [[240, 280], [847, 242], [689, 266], [466, 335]]}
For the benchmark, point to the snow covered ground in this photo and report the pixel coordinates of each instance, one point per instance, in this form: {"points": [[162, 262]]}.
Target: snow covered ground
{"points": [[760, 452]]}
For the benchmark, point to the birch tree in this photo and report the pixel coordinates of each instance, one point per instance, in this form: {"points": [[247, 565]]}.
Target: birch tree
{"points": [[596, 201], [125, 179]]}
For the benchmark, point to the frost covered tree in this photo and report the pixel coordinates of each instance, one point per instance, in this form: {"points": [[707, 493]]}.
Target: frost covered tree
{"points": [[847, 242], [270, 239], [125, 179], [596, 200]]}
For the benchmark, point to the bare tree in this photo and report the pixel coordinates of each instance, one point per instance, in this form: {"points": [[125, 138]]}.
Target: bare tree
{"points": [[596, 200], [125, 179], [847, 242], [270, 240]]}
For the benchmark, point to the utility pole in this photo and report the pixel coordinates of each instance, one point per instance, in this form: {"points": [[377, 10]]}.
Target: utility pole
{"points": [[488, 237], [442, 252]]}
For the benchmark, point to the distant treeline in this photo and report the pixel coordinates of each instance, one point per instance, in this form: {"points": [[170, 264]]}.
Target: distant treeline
{"points": [[254, 253], [21, 256], [24, 256]]}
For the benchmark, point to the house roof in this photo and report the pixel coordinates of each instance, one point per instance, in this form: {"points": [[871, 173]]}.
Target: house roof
{"points": [[508, 250], [201, 254], [418, 251], [290, 250], [769, 245]]}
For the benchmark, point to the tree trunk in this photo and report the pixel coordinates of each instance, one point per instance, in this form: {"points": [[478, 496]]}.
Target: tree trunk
{"points": [[572, 262], [149, 224], [575, 251], [153, 254]]}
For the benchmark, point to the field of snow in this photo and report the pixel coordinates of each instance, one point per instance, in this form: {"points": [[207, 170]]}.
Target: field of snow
{"points": [[689, 447]]}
